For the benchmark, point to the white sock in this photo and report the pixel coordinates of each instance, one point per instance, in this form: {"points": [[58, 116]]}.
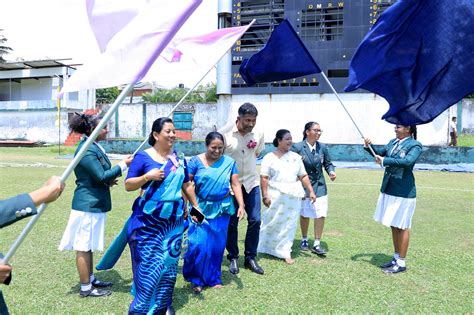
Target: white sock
{"points": [[86, 287], [91, 277], [305, 238], [401, 262], [317, 241], [396, 256]]}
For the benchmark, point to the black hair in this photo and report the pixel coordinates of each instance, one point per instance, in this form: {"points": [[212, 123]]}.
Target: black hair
{"points": [[279, 136], [212, 136], [307, 127], [454, 118], [413, 131], [157, 127], [248, 109], [83, 123]]}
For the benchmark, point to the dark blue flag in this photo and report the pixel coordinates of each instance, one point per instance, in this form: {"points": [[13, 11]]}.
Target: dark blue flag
{"points": [[283, 57], [419, 57]]}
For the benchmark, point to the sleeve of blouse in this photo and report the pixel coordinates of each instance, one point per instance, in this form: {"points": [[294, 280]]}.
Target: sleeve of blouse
{"points": [[137, 166], [234, 169], [266, 165], [193, 165], [301, 169], [186, 172]]}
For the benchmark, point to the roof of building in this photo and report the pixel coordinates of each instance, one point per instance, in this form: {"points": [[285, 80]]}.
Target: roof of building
{"points": [[36, 64]]}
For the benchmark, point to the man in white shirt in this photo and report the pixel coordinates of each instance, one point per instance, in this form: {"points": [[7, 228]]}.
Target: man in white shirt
{"points": [[244, 145], [453, 133]]}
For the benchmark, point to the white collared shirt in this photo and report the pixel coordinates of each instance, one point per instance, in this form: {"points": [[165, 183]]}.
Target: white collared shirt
{"points": [[245, 157]]}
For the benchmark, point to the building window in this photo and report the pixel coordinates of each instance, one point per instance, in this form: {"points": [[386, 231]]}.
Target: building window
{"points": [[183, 121]]}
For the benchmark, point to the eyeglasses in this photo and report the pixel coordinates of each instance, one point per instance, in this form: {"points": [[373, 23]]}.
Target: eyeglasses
{"points": [[317, 130]]}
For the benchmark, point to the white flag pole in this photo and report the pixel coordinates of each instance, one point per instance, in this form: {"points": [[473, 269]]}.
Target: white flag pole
{"points": [[343, 106], [103, 122]]}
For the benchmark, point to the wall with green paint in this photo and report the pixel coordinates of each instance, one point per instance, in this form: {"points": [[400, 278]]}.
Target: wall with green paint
{"points": [[338, 152]]}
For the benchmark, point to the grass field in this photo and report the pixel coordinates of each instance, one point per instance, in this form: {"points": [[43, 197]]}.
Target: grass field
{"points": [[466, 140], [440, 276]]}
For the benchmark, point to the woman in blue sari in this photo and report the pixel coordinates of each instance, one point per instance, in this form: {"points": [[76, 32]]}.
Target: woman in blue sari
{"points": [[156, 226], [213, 175]]}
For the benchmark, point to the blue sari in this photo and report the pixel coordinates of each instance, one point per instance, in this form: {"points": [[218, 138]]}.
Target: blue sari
{"points": [[154, 235], [206, 242]]}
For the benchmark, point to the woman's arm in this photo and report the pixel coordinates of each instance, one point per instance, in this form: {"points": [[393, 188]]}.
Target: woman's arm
{"points": [[237, 189], [188, 189], [408, 161], [264, 186], [307, 184], [90, 162], [134, 183]]}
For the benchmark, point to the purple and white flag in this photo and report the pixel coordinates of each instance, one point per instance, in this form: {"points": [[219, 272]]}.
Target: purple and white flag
{"points": [[192, 57], [130, 39]]}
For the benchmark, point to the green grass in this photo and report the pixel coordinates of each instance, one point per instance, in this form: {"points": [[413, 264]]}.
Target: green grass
{"points": [[465, 140], [440, 259]]}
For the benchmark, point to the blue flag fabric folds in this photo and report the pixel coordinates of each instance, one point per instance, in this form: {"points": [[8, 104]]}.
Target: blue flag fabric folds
{"points": [[418, 56], [283, 57]]}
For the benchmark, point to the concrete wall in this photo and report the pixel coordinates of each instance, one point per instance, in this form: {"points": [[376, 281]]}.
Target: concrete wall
{"points": [[338, 152], [293, 111], [467, 121], [135, 120], [37, 125]]}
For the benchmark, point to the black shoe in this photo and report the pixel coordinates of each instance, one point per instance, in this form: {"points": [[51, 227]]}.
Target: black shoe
{"points": [[252, 265], [95, 292], [101, 284], [394, 269], [170, 310], [318, 250], [304, 245], [234, 266], [388, 264]]}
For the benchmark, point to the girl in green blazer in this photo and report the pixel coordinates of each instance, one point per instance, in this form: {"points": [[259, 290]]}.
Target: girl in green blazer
{"points": [[397, 200], [94, 177]]}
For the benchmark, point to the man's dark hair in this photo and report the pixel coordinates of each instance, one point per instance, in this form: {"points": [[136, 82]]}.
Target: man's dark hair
{"points": [[248, 109]]}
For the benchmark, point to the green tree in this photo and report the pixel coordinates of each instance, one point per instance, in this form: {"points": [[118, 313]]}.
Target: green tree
{"points": [[4, 50], [202, 94], [106, 96]]}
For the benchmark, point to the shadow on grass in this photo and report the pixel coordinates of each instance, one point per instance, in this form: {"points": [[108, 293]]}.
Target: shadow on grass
{"points": [[375, 259], [119, 284]]}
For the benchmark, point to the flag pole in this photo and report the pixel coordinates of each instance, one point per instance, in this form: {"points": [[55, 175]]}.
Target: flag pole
{"points": [[103, 122], [343, 106]]}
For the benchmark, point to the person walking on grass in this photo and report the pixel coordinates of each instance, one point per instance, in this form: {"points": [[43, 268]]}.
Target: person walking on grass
{"points": [[315, 156], [91, 201], [281, 175], [397, 199], [243, 144]]}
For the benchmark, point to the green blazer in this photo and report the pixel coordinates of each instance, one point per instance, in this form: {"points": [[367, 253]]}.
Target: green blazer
{"points": [[313, 163], [12, 210], [16, 208], [398, 179], [94, 173]]}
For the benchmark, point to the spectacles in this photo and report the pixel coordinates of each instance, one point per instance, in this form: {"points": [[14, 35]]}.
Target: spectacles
{"points": [[317, 130]]}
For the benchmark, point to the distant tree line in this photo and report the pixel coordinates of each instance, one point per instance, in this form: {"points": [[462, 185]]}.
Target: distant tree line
{"points": [[202, 94]]}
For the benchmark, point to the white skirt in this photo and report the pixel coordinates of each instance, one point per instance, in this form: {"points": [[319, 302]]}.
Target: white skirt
{"points": [[316, 210], [395, 211], [84, 232], [279, 225]]}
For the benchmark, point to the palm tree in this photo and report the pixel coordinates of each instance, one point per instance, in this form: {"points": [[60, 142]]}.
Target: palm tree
{"points": [[3, 49]]}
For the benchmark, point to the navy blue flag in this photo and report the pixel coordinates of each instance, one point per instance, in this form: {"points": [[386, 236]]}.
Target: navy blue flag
{"points": [[283, 57], [419, 57]]}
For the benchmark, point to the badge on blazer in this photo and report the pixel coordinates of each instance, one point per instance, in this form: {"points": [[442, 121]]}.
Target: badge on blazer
{"points": [[102, 160], [403, 153]]}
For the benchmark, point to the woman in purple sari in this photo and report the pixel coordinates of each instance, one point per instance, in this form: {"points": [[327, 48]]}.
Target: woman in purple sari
{"points": [[213, 175], [156, 226]]}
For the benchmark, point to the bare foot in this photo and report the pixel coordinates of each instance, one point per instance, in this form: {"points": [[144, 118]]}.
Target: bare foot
{"points": [[197, 290], [218, 286], [289, 261]]}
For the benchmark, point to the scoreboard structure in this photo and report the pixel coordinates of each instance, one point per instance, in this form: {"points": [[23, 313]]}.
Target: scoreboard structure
{"points": [[331, 30]]}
